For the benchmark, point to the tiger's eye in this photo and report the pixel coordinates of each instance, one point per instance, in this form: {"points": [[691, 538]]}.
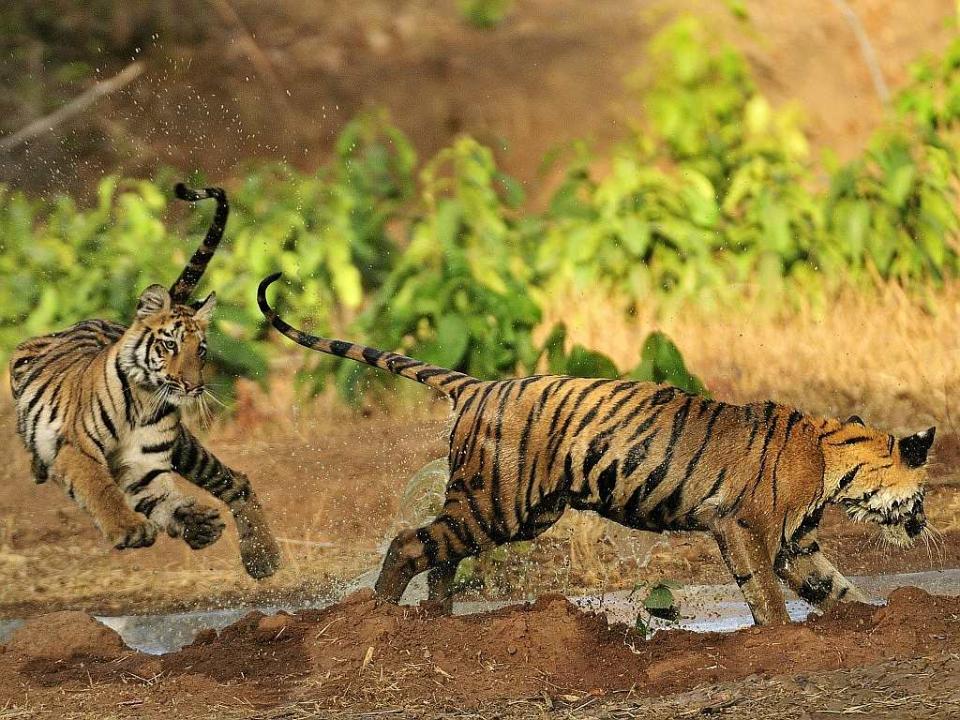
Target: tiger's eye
{"points": [[170, 345]]}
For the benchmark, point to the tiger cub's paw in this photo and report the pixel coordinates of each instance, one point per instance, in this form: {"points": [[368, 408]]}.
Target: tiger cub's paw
{"points": [[260, 556], [134, 534], [258, 548], [198, 525]]}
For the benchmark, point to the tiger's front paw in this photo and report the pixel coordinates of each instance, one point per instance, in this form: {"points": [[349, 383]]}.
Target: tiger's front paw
{"points": [[134, 534], [198, 525]]}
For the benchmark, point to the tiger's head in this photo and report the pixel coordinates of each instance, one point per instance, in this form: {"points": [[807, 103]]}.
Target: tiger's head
{"points": [[165, 349], [878, 477]]}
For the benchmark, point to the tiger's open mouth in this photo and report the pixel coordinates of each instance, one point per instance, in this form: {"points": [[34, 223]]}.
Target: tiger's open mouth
{"points": [[902, 519]]}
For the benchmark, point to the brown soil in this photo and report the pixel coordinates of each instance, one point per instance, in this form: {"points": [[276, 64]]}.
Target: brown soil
{"points": [[65, 635], [364, 655]]}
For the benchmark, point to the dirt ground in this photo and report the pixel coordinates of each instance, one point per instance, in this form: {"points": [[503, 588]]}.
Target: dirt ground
{"points": [[370, 659]]}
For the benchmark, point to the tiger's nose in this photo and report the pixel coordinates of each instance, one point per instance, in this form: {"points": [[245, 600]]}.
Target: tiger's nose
{"points": [[191, 388], [914, 526]]}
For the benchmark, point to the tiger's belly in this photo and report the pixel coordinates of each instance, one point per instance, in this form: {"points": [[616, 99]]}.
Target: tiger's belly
{"points": [[649, 500], [655, 518]]}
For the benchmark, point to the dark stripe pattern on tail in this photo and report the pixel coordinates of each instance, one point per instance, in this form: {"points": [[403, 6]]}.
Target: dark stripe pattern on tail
{"points": [[449, 382], [187, 282]]}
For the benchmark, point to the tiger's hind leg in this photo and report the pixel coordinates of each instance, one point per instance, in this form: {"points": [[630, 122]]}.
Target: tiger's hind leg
{"points": [[814, 578], [258, 548], [89, 483], [457, 533], [438, 547]]}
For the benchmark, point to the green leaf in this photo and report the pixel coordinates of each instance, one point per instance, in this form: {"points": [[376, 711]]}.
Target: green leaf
{"points": [[661, 362], [450, 344], [661, 603], [582, 362], [900, 184]]}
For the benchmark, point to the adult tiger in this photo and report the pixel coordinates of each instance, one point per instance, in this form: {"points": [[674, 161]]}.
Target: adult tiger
{"points": [[98, 406], [650, 457]]}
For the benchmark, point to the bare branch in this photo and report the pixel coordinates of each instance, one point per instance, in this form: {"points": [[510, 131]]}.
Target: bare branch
{"points": [[74, 107], [866, 50]]}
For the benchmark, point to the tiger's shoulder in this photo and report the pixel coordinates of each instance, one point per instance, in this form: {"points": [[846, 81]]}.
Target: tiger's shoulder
{"points": [[86, 338]]}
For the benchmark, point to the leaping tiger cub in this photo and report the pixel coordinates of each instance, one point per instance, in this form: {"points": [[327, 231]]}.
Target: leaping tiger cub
{"points": [[98, 406], [650, 457]]}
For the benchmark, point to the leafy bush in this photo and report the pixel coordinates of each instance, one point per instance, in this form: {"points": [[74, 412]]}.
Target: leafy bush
{"points": [[713, 194], [716, 193], [459, 295], [660, 362]]}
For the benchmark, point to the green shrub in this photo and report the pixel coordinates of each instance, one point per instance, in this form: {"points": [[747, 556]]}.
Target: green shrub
{"points": [[713, 195], [715, 192], [459, 294]]}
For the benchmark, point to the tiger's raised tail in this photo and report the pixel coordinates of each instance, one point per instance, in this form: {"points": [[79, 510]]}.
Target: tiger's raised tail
{"points": [[187, 282], [448, 382]]}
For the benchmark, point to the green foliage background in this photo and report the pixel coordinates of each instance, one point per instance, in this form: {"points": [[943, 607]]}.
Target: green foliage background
{"points": [[712, 196]]}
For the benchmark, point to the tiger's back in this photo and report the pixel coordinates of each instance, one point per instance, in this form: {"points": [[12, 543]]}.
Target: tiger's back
{"points": [[59, 351]]}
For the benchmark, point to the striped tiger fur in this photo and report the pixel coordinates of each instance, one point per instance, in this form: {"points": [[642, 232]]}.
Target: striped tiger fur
{"points": [[651, 457], [99, 408]]}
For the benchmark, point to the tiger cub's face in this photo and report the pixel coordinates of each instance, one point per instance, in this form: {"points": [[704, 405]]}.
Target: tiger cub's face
{"points": [[165, 348], [881, 478]]}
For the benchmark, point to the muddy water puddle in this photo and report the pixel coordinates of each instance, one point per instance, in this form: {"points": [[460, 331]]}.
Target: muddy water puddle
{"points": [[703, 608]]}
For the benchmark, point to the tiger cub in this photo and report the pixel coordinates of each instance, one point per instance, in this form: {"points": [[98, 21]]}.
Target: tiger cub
{"points": [[651, 457], [98, 407]]}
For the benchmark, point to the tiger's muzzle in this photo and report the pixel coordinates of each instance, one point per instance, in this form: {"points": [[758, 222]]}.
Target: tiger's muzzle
{"points": [[902, 520]]}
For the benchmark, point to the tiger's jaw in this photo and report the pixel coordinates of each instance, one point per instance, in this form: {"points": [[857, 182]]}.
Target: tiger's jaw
{"points": [[901, 519]]}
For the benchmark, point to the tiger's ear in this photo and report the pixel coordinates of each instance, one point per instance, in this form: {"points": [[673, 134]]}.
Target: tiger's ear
{"points": [[153, 300], [204, 311], [914, 448], [856, 420]]}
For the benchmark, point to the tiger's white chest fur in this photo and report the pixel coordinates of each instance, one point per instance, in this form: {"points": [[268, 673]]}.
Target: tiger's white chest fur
{"points": [[46, 438], [145, 447]]}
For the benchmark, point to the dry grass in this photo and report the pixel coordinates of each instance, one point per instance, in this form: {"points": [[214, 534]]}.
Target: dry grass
{"points": [[884, 356]]}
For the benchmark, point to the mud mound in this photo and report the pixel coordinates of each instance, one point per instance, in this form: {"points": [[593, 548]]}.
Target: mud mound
{"points": [[363, 654], [258, 648], [372, 654], [66, 635]]}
